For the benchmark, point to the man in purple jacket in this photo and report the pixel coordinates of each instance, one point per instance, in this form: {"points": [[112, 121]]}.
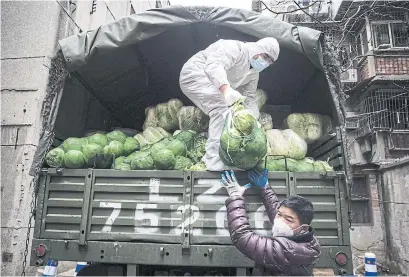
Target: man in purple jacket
{"points": [[293, 248]]}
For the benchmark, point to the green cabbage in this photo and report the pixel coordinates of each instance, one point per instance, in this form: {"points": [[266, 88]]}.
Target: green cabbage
{"points": [[231, 140], [157, 146], [305, 165], [277, 164], [116, 136], [130, 157], [177, 147], [244, 122], [114, 148], [199, 149], [182, 163], [130, 145], [90, 151], [74, 159], [122, 166], [55, 158], [197, 167], [142, 161], [120, 160], [187, 137], [98, 138], [127, 131], [73, 144], [164, 159], [322, 167]]}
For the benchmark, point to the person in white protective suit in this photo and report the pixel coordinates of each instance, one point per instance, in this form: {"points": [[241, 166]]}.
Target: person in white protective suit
{"points": [[216, 78]]}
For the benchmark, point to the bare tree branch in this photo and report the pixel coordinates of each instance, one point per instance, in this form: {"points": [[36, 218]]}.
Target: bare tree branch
{"points": [[289, 12]]}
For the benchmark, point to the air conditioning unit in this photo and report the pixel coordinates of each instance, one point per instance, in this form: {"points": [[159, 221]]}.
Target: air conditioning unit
{"points": [[349, 76]]}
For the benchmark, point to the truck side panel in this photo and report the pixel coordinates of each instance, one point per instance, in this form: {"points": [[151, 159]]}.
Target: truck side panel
{"points": [[171, 206]]}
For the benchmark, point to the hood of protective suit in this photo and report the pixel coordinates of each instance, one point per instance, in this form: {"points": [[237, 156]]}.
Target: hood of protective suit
{"points": [[267, 45]]}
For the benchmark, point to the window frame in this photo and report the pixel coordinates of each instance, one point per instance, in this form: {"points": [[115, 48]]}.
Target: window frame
{"points": [[367, 199], [391, 37]]}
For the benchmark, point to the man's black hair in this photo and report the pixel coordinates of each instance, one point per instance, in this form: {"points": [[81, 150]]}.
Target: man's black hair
{"points": [[301, 206]]}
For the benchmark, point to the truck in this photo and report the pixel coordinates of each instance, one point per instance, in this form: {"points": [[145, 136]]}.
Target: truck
{"points": [[168, 222]]}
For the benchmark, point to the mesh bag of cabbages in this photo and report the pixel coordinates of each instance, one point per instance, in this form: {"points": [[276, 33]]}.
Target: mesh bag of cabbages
{"points": [[192, 118], [309, 126], [164, 115], [243, 142]]}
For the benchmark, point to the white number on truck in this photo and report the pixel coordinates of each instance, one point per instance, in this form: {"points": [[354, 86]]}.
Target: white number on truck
{"points": [[153, 218], [220, 217], [115, 213], [195, 214]]}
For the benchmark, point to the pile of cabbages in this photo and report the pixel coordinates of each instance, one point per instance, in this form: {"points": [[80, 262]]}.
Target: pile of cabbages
{"points": [[173, 138]]}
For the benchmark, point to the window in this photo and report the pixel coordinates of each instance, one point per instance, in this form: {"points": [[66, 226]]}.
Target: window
{"points": [[392, 33], [381, 34], [400, 34], [359, 43], [386, 109], [360, 201]]}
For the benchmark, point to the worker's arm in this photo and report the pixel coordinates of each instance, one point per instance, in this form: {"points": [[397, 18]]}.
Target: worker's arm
{"points": [[268, 195], [226, 55], [270, 201], [262, 250]]}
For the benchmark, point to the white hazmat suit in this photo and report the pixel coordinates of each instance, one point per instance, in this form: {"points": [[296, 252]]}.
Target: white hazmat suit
{"points": [[225, 62]]}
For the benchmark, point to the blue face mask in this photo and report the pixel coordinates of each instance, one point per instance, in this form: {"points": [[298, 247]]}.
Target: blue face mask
{"points": [[259, 64]]}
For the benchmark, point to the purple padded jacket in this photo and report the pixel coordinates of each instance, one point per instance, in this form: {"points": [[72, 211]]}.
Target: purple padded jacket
{"points": [[273, 256]]}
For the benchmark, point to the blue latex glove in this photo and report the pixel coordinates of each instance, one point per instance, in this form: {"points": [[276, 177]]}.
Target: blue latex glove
{"points": [[230, 183], [258, 179]]}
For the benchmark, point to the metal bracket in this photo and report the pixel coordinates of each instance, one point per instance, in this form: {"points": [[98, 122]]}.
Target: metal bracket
{"points": [[89, 181], [291, 184], [187, 200]]}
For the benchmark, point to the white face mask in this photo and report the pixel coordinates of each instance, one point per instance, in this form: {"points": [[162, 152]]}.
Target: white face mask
{"points": [[281, 229]]}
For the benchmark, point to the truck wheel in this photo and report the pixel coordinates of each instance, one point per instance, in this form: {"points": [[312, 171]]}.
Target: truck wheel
{"points": [[101, 270]]}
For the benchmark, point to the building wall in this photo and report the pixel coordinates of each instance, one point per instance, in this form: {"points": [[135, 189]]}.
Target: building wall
{"points": [[395, 186], [370, 238], [392, 65], [363, 70], [30, 34], [30, 31], [384, 63]]}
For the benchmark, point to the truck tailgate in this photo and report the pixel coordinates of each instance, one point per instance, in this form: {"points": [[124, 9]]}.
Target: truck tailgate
{"points": [[172, 207]]}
